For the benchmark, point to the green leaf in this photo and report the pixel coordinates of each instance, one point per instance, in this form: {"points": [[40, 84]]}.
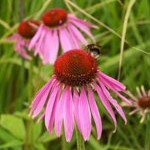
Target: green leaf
{"points": [[11, 144], [37, 130], [46, 137], [14, 125], [39, 146], [5, 135]]}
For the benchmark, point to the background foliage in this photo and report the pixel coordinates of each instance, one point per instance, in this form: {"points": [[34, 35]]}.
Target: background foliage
{"points": [[122, 25]]}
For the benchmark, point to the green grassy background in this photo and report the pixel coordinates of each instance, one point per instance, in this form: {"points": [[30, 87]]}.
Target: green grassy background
{"points": [[123, 25]]}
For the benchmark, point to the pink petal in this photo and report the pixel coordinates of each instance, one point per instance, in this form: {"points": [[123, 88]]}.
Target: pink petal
{"points": [[68, 115], [105, 102], [54, 47], [23, 53], [119, 86], [113, 102], [46, 49], [59, 112], [83, 28], [36, 37], [65, 40], [20, 46], [113, 88], [76, 108], [39, 94], [74, 38], [54, 110], [84, 115], [41, 103], [50, 107], [95, 112], [41, 117], [41, 43], [51, 47], [73, 18], [78, 34], [14, 37]]}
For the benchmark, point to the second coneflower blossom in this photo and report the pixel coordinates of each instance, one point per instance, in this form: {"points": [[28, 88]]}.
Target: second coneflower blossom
{"points": [[141, 103], [68, 97], [59, 28], [26, 31]]}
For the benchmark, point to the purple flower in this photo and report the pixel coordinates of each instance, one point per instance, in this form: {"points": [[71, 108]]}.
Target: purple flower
{"points": [[58, 26], [68, 96], [26, 31]]}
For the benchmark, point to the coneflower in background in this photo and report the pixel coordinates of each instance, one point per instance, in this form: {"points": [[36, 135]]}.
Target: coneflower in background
{"points": [[59, 27], [26, 31], [141, 103]]}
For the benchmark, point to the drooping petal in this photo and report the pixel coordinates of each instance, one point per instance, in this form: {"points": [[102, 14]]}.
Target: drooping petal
{"points": [[59, 112], [40, 43], [119, 86], [23, 53], [20, 46], [36, 37], [51, 46], [50, 107], [113, 88], [78, 34], [74, 38], [68, 115], [106, 104], [73, 18], [54, 47], [46, 49], [54, 109], [84, 115], [41, 97], [14, 36], [76, 108], [84, 28], [113, 102], [65, 40], [41, 103], [41, 117], [95, 112]]}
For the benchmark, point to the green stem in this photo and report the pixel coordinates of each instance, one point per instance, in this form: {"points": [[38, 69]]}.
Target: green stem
{"points": [[22, 60], [30, 122], [29, 144], [65, 145], [80, 140], [147, 134], [22, 83]]}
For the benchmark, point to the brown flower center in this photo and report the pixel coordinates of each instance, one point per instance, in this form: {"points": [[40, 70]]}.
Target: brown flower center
{"points": [[144, 102], [54, 17], [75, 68], [28, 28]]}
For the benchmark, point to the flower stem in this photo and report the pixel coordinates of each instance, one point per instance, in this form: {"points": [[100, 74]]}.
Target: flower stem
{"points": [[147, 143], [22, 84], [80, 140], [65, 145], [29, 142], [22, 60]]}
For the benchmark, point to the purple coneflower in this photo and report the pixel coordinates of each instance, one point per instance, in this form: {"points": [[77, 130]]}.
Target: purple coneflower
{"points": [[141, 103], [68, 96], [58, 26], [26, 31]]}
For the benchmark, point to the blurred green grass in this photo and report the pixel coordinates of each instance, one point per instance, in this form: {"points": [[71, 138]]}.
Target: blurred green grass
{"points": [[109, 16]]}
